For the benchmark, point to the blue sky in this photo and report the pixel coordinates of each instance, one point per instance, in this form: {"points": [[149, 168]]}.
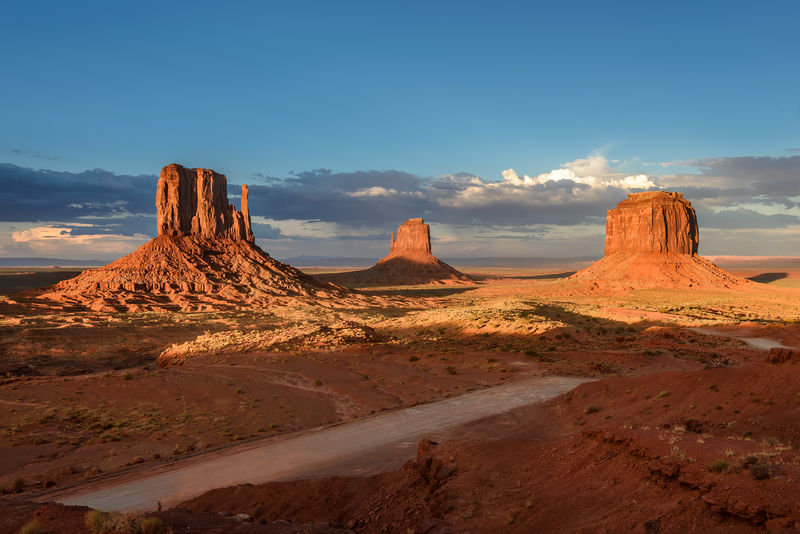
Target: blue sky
{"points": [[267, 92]]}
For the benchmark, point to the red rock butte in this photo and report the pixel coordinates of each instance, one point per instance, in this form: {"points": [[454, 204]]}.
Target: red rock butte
{"points": [[652, 240], [195, 202], [203, 258], [410, 262]]}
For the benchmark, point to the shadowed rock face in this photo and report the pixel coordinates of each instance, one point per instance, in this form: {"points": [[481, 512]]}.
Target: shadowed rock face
{"points": [[195, 202], [655, 221]]}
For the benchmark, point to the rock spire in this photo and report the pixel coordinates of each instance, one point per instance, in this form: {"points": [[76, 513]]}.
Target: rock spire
{"points": [[194, 202]]}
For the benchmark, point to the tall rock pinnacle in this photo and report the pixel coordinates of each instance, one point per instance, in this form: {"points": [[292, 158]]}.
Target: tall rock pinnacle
{"points": [[194, 202]]}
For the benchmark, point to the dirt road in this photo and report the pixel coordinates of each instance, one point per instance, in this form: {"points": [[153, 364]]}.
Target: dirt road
{"points": [[362, 447], [756, 342]]}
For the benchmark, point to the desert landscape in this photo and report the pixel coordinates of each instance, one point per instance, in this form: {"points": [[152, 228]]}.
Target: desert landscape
{"points": [[399, 267], [199, 384]]}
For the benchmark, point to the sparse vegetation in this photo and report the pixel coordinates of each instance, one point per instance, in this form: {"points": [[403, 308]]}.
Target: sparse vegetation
{"points": [[32, 527], [718, 466], [592, 408]]}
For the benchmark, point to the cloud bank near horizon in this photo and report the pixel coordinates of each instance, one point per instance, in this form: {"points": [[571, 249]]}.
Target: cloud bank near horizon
{"points": [[748, 205]]}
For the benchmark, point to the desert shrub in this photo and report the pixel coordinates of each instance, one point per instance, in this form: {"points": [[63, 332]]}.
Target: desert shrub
{"points": [[592, 408], [19, 484], [318, 383], [31, 527], [413, 358], [151, 525], [662, 394], [760, 468], [718, 466], [94, 521], [451, 370], [127, 376], [530, 353]]}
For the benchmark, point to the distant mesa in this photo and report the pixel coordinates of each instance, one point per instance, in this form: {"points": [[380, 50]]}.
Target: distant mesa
{"points": [[652, 240], [203, 258], [410, 262]]}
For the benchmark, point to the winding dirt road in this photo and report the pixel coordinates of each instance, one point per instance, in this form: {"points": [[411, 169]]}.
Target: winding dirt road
{"points": [[362, 447]]}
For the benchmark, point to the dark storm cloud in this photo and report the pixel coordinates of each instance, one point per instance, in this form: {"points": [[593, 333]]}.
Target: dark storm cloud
{"points": [[42, 195], [764, 180], [744, 218], [723, 190], [355, 199]]}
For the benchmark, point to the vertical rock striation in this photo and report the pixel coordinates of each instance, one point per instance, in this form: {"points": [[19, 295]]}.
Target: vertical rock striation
{"points": [[655, 221], [195, 202], [413, 238]]}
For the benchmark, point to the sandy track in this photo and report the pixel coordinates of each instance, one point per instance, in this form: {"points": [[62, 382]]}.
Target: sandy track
{"points": [[378, 443], [756, 342]]}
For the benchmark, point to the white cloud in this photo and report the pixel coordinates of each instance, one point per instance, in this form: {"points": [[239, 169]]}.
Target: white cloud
{"points": [[58, 240], [584, 180], [378, 191]]}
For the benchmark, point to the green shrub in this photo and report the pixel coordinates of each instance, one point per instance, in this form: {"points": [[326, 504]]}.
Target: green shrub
{"points": [[592, 408], [662, 394]]}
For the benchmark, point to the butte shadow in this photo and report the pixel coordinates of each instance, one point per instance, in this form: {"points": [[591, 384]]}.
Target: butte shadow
{"points": [[204, 258], [410, 262], [652, 240]]}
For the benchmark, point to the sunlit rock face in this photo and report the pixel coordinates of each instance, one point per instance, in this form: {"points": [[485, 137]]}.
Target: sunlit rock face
{"points": [[651, 243], [413, 238], [194, 202], [655, 221]]}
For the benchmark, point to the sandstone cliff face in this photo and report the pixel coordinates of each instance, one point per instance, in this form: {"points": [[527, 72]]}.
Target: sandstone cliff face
{"points": [[655, 221], [195, 202], [413, 238]]}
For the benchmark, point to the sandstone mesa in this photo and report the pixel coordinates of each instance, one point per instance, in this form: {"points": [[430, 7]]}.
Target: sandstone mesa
{"points": [[652, 241]]}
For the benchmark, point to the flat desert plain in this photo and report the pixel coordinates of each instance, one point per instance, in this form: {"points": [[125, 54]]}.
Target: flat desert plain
{"points": [[683, 419]]}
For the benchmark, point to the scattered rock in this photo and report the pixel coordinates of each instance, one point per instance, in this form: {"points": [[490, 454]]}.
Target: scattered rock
{"points": [[780, 355]]}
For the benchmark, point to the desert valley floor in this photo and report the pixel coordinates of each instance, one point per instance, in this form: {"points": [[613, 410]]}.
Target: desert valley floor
{"points": [[682, 419]]}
